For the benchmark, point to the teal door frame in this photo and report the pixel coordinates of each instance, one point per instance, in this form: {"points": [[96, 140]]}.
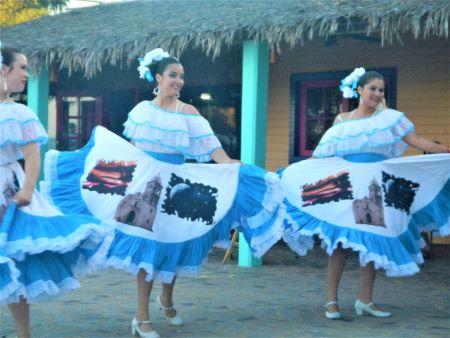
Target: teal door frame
{"points": [[255, 87], [38, 87]]}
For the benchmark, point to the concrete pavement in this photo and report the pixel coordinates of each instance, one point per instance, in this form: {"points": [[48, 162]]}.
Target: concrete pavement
{"points": [[283, 298]]}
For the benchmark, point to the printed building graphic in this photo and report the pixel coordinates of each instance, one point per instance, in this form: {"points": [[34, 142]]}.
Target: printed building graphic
{"points": [[9, 190], [140, 209], [369, 210]]}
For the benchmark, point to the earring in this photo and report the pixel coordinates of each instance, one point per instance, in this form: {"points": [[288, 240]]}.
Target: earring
{"points": [[5, 85], [156, 91]]}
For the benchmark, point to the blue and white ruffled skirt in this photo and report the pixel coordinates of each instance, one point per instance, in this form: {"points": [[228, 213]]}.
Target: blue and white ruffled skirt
{"points": [[168, 217], [40, 248], [375, 207]]}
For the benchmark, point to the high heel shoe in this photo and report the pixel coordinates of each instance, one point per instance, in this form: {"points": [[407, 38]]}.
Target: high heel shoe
{"points": [[176, 320], [136, 331], [332, 315], [362, 309]]}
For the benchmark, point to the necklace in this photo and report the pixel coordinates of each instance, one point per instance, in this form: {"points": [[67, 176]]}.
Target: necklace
{"points": [[172, 107], [357, 118]]}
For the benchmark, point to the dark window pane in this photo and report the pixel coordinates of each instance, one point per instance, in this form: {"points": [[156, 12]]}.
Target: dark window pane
{"points": [[314, 102], [333, 101], [314, 131]]}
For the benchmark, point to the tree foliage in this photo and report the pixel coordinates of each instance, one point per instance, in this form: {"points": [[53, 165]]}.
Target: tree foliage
{"points": [[13, 12]]}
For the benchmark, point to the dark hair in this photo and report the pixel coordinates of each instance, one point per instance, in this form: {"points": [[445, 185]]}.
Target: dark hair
{"points": [[9, 55], [160, 66], [369, 76]]}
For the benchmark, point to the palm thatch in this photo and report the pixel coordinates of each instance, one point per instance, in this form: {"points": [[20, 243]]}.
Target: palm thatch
{"points": [[85, 39]]}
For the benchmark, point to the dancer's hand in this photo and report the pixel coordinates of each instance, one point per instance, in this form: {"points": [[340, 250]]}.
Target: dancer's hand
{"points": [[23, 198], [232, 160]]}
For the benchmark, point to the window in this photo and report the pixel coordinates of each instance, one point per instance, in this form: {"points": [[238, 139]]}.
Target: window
{"points": [[77, 115], [221, 106], [316, 101]]}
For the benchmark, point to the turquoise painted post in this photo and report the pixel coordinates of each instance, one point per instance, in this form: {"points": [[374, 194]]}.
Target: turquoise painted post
{"points": [[37, 93], [255, 84]]}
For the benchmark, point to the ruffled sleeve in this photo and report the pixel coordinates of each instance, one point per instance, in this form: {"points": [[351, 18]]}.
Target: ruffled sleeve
{"points": [[149, 127], [19, 125], [155, 129], [381, 133], [202, 141]]}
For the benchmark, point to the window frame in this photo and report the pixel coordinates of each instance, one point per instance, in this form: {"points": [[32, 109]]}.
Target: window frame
{"points": [[299, 82]]}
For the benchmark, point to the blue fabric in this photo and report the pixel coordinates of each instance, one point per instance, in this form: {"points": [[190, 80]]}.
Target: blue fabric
{"points": [[163, 261], [435, 215], [178, 148], [341, 153], [8, 276], [371, 132], [63, 173], [256, 210], [364, 157], [41, 227], [41, 140], [43, 277], [168, 158], [42, 253], [389, 253], [169, 130]]}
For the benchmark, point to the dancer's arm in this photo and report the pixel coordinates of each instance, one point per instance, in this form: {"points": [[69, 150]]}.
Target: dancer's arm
{"points": [[424, 144], [220, 156], [32, 158]]}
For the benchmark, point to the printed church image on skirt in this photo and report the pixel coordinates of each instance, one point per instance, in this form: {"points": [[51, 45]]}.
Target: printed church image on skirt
{"points": [[140, 209], [369, 210]]}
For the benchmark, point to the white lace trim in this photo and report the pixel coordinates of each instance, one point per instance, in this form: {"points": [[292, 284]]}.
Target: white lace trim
{"points": [[29, 246], [153, 129], [42, 290], [381, 133], [20, 125]]}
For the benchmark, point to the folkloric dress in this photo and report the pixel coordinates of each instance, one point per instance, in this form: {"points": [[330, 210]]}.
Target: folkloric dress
{"points": [[169, 213], [40, 248], [359, 193]]}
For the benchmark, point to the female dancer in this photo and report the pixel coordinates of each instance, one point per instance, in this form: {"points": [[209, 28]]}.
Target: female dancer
{"points": [[170, 213], [39, 247], [359, 196]]}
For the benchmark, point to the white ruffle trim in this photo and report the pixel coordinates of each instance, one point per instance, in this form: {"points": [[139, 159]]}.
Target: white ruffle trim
{"points": [[28, 246], [162, 276], [10, 288], [154, 128], [303, 241], [42, 291], [381, 133], [20, 125]]}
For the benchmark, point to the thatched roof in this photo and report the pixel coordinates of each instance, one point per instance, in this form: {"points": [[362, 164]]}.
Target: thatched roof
{"points": [[90, 37]]}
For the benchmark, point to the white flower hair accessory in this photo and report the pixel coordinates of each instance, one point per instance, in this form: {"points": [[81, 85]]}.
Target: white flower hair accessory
{"points": [[154, 55], [350, 83]]}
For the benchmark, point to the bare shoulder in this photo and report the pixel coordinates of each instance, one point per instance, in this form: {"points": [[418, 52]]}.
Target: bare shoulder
{"points": [[342, 117], [186, 108]]}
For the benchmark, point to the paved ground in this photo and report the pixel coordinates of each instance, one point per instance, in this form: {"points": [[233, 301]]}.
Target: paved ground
{"points": [[283, 298]]}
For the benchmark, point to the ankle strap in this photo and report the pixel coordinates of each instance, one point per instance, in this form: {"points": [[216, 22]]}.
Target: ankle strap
{"points": [[139, 322], [166, 308], [161, 306], [332, 302], [368, 304]]}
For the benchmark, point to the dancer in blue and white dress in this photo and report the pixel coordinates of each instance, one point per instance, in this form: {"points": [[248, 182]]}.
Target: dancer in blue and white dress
{"points": [[358, 194], [169, 213], [40, 248]]}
